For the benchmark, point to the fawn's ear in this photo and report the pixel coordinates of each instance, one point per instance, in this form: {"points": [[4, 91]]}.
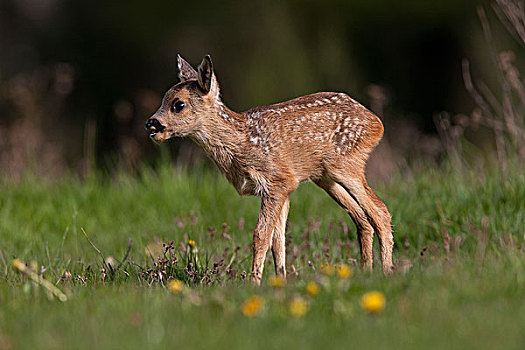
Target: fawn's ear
{"points": [[186, 71], [205, 76]]}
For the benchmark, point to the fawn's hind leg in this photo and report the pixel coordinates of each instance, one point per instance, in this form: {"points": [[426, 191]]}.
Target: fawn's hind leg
{"points": [[365, 232], [278, 241], [385, 234], [377, 214]]}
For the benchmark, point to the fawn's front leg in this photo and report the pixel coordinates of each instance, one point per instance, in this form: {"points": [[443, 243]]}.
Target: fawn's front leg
{"points": [[262, 235]]}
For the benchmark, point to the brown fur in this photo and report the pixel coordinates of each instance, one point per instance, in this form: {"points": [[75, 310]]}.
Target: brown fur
{"points": [[268, 151]]}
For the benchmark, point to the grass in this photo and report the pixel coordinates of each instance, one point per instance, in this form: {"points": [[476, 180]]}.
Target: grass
{"points": [[460, 281]]}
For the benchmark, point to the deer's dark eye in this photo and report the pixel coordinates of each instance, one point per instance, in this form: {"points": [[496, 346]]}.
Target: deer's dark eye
{"points": [[177, 106]]}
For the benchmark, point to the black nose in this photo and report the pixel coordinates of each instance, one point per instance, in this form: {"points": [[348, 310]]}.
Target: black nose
{"points": [[154, 124]]}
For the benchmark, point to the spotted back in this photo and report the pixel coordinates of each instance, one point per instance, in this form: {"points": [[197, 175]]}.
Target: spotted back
{"points": [[321, 119]]}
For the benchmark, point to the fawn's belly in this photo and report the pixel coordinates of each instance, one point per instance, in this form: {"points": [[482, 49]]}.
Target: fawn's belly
{"points": [[251, 186]]}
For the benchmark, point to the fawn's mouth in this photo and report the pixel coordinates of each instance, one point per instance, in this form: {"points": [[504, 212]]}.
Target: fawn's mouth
{"points": [[157, 130], [154, 132], [159, 135]]}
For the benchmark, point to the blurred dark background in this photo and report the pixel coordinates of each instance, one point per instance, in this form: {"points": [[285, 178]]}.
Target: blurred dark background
{"points": [[78, 80]]}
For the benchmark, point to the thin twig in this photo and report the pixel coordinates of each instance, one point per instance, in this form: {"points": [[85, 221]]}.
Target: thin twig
{"points": [[507, 115], [22, 268], [96, 249], [130, 243], [234, 255], [514, 12], [490, 98], [486, 111], [471, 89]]}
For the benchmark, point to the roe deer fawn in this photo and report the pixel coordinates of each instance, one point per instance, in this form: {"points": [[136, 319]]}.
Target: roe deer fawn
{"points": [[268, 151]]}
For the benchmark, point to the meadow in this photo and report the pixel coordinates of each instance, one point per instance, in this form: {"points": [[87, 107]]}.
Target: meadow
{"points": [[459, 255]]}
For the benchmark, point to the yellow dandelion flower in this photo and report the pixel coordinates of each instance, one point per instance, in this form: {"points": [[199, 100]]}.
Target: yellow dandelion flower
{"points": [[312, 288], [176, 286], [298, 307], [373, 302], [344, 271], [253, 306], [191, 243], [327, 269], [276, 281]]}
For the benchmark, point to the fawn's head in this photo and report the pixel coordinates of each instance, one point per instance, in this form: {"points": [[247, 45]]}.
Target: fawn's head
{"points": [[186, 105]]}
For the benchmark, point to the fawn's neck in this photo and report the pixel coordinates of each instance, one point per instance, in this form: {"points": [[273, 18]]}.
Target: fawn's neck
{"points": [[220, 137]]}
